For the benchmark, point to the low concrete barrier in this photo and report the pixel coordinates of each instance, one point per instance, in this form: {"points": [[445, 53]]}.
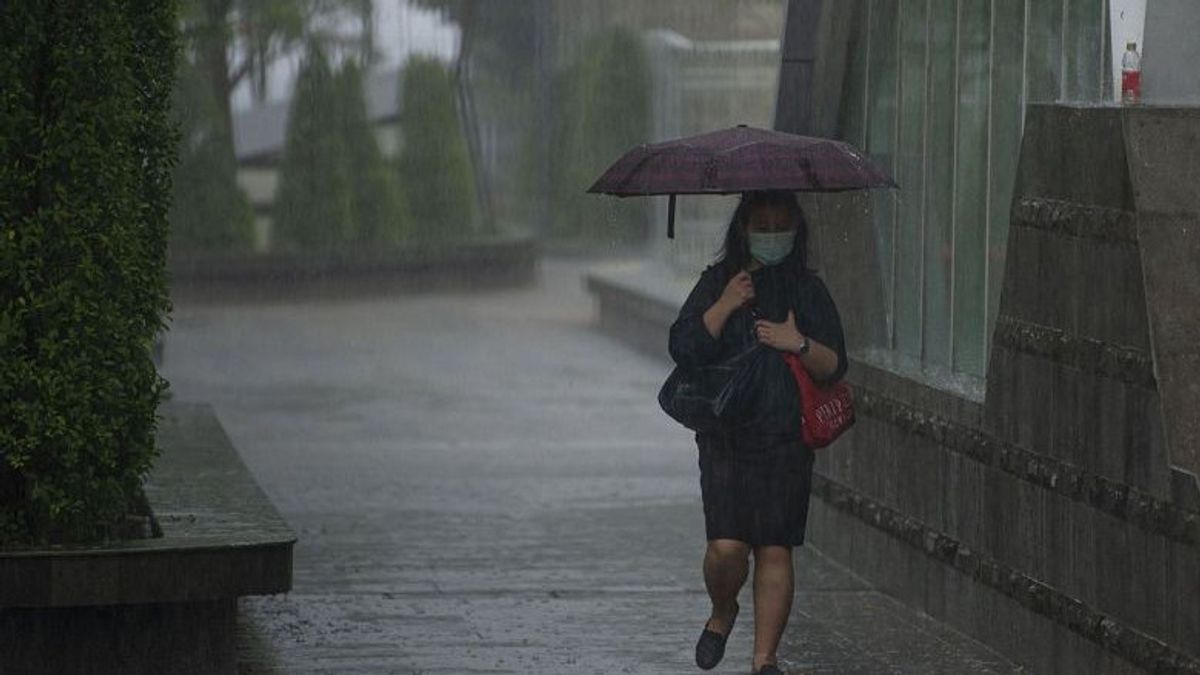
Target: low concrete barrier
{"points": [[479, 263], [160, 605]]}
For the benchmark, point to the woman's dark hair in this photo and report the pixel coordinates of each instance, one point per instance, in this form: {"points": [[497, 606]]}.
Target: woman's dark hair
{"points": [[735, 252]]}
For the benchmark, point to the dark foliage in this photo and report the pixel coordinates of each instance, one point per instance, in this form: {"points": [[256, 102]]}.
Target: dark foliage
{"points": [[209, 209], [88, 149], [314, 205], [435, 168], [605, 110], [376, 202]]}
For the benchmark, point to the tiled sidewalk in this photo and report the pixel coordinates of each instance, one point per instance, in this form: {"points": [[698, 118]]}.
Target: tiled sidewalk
{"points": [[485, 484]]}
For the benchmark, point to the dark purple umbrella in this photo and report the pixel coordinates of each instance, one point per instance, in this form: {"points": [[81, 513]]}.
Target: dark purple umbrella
{"points": [[739, 159]]}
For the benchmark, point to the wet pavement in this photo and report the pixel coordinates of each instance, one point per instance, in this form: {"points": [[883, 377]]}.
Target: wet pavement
{"points": [[482, 483]]}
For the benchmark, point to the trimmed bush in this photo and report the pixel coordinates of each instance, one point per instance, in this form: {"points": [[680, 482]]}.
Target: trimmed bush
{"points": [[605, 111], [434, 165], [377, 205], [85, 183], [313, 207], [209, 210]]}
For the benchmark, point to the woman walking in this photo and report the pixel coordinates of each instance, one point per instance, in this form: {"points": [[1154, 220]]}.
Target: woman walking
{"points": [[755, 482]]}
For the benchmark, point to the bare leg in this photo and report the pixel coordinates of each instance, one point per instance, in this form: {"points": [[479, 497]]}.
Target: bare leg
{"points": [[726, 565], [774, 583]]}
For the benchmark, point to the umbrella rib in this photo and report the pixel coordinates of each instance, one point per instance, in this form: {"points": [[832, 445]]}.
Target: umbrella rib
{"points": [[633, 172], [777, 144]]}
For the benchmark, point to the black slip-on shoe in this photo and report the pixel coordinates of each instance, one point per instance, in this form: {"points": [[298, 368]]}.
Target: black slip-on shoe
{"points": [[710, 648], [768, 669]]}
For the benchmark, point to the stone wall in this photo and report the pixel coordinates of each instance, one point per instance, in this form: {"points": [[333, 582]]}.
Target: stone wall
{"points": [[1057, 519], [1052, 512]]}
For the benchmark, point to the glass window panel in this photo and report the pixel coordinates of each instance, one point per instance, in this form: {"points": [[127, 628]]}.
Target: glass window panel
{"points": [[1084, 52], [882, 80], [1043, 59], [1106, 56], [910, 174], [1007, 111], [851, 118], [971, 172], [939, 212]]}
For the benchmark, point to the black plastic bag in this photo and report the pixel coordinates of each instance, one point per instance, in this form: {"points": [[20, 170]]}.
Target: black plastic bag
{"points": [[721, 396]]}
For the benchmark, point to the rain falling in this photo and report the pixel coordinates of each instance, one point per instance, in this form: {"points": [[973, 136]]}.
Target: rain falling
{"points": [[605, 336]]}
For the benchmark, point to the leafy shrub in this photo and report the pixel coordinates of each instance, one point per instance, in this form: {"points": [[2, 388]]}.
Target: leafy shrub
{"points": [[377, 205], [85, 183], [604, 111], [336, 191], [434, 166], [313, 207], [209, 210]]}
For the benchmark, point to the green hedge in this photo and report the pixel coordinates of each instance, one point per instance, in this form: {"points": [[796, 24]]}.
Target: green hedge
{"points": [[336, 191], [313, 206], [377, 204], [604, 111], [434, 166], [209, 210], [85, 183]]}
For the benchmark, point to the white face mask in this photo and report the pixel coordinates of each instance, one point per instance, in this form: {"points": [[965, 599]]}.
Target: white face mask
{"points": [[771, 247]]}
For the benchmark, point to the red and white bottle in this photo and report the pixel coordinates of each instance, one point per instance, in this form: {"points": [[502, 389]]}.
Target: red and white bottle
{"points": [[1131, 75]]}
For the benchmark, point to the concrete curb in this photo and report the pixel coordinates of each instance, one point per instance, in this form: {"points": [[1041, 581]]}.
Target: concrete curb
{"points": [[165, 604]]}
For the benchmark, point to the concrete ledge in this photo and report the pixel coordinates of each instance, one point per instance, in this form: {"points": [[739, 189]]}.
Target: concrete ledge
{"points": [[637, 302], [194, 638], [483, 263], [221, 536], [166, 604]]}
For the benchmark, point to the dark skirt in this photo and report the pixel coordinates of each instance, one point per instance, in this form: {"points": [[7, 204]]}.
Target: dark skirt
{"points": [[753, 491]]}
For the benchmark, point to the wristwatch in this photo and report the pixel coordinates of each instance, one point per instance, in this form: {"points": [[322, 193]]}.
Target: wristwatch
{"points": [[804, 345]]}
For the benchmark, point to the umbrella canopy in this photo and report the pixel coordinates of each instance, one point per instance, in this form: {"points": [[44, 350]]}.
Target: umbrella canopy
{"points": [[739, 159]]}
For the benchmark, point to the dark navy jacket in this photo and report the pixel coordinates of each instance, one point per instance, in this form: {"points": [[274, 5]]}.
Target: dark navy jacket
{"points": [[776, 288]]}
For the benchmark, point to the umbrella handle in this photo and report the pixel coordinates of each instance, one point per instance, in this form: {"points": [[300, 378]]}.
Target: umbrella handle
{"points": [[671, 217]]}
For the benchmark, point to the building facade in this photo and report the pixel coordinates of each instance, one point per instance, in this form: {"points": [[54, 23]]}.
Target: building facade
{"points": [[1024, 463]]}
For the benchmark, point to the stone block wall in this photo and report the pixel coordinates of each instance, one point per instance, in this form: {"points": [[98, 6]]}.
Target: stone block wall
{"points": [[1055, 519], [1071, 372]]}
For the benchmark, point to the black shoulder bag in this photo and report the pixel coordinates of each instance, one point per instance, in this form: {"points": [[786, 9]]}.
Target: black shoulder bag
{"points": [[720, 396]]}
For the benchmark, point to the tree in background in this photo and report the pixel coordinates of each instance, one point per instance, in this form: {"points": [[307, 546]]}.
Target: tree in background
{"points": [[228, 42], [86, 148], [604, 111], [507, 88], [209, 210], [486, 20], [236, 40], [434, 166], [575, 124], [378, 207], [313, 208]]}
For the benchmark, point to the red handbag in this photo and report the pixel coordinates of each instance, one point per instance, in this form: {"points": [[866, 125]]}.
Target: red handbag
{"points": [[825, 412]]}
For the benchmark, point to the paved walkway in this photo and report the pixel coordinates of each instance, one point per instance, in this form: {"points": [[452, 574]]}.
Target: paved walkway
{"points": [[484, 484]]}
